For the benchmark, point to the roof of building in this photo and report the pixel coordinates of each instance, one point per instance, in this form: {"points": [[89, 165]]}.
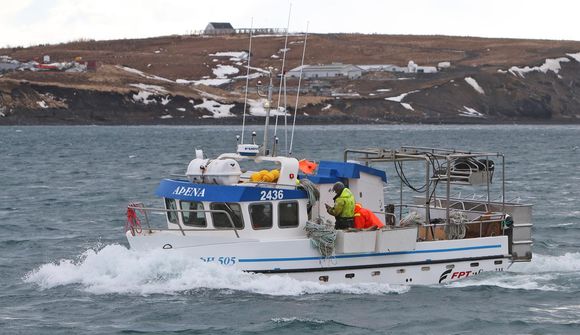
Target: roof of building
{"points": [[221, 25], [326, 67]]}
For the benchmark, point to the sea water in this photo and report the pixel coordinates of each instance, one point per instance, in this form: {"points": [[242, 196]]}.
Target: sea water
{"points": [[65, 266]]}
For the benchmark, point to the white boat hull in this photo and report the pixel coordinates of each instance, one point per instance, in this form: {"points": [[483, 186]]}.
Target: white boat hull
{"points": [[429, 262]]}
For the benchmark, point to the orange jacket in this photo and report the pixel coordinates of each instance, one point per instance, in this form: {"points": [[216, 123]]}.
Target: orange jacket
{"points": [[364, 218]]}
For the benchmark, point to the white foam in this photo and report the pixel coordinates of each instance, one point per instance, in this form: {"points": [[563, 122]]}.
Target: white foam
{"points": [[569, 262], [293, 319], [512, 281], [540, 274], [116, 269]]}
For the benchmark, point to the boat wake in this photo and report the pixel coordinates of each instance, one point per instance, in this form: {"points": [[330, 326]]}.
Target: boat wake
{"points": [[543, 273], [116, 269]]}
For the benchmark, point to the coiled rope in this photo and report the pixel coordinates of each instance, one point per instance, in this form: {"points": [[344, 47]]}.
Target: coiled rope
{"points": [[455, 229], [411, 219], [322, 236], [311, 190], [133, 223]]}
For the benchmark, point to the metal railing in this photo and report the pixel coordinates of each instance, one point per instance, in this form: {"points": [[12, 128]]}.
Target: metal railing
{"points": [[484, 218], [141, 208]]}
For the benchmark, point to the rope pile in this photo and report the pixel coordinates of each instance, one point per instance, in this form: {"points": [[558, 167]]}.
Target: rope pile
{"points": [[133, 223], [310, 188], [322, 236], [455, 229], [412, 218]]}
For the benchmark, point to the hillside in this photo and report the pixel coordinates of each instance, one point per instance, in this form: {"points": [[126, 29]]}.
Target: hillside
{"points": [[201, 80]]}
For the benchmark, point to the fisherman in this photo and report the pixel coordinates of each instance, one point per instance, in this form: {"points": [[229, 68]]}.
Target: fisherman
{"points": [[343, 209], [366, 219]]}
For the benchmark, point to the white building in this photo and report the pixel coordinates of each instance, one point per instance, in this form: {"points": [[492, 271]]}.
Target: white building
{"points": [[414, 68], [334, 70], [411, 67]]}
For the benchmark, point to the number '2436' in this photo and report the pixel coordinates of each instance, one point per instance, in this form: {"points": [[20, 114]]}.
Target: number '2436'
{"points": [[272, 195]]}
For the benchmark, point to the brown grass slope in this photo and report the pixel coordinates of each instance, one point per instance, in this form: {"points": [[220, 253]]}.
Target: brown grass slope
{"points": [[538, 97]]}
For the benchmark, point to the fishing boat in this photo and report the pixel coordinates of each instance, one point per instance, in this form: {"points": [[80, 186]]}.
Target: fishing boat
{"points": [[222, 214], [261, 211]]}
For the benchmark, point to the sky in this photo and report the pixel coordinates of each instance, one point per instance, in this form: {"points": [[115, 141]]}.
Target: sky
{"points": [[31, 22]]}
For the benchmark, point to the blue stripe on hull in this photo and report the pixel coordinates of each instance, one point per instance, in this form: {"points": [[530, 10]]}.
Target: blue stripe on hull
{"points": [[292, 259]]}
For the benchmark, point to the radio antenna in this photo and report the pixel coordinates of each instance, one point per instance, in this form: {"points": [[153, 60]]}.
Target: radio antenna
{"points": [[298, 92], [247, 81], [282, 71]]}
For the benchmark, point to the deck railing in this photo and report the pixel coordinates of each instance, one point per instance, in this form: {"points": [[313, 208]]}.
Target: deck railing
{"points": [[140, 208]]}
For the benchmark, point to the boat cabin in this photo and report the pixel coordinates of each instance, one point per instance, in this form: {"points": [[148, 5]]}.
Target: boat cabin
{"points": [[220, 198]]}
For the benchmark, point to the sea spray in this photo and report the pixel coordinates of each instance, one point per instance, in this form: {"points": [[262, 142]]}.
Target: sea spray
{"points": [[116, 269]]}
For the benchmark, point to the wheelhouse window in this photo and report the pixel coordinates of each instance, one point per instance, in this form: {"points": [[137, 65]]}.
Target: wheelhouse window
{"points": [[193, 218], [220, 220], [171, 207], [288, 214], [261, 215]]}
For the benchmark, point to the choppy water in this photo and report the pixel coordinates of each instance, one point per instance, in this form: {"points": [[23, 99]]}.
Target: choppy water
{"points": [[65, 266]]}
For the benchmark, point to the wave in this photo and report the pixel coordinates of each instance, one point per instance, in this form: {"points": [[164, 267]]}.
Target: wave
{"points": [[527, 282], [543, 273], [116, 269], [569, 262]]}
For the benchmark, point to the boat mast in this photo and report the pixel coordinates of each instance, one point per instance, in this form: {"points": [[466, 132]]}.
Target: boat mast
{"points": [[267, 107], [298, 92], [247, 81], [282, 78]]}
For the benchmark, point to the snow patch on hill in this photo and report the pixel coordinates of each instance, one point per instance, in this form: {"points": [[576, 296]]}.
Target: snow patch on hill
{"points": [[549, 65], [235, 55], [576, 56], [218, 109], [257, 108], [146, 90], [143, 74], [473, 83], [223, 71], [400, 97], [470, 112]]}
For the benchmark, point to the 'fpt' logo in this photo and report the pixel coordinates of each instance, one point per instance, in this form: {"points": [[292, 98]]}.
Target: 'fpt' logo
{"points": [[458, 274], [444, 275]]}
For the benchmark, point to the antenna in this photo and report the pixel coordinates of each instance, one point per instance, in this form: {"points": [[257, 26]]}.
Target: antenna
{"points": [[282, 71], [247, 80], [298, 93], [285, 117]]}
